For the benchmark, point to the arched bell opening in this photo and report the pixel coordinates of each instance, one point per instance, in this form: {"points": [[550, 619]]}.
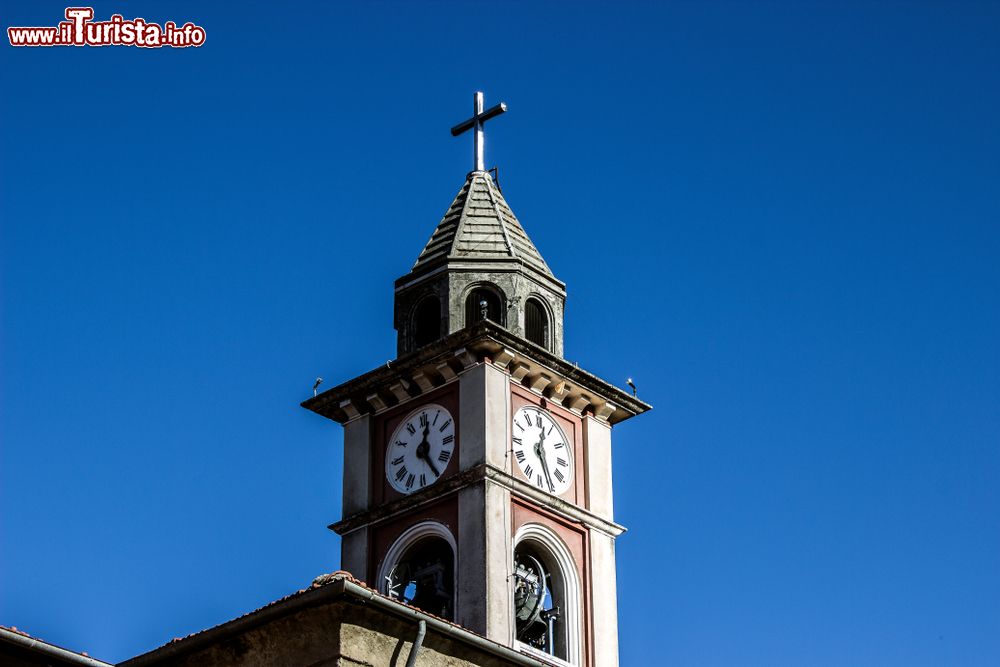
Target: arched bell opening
{"points": [[546, 595], [484, 303], [427, 321], [536, 323], [419, 569]]}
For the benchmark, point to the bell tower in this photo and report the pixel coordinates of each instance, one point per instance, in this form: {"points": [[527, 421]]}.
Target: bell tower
{"points": [[477, 464], [479, 264]]}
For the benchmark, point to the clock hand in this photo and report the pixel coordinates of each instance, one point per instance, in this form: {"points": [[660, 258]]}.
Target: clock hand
{"points": [[428, 461], [548, 478], [423, 448], [540, 452]]}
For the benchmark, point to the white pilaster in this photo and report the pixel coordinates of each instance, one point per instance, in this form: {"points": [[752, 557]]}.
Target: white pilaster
{"points": [[604, 593], [597, 440], [354, 554], [484, 415], [484, 562], [357, 465]]}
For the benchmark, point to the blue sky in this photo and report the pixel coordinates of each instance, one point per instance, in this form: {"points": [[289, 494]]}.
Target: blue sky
{"points": [[780, 218]]}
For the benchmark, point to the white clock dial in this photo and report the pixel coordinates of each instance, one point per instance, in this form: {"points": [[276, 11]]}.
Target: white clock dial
{"points": [[542, 450], [420, 448]]}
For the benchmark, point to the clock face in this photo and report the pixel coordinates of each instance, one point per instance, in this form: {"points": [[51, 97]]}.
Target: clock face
{"points": [[420, 448], [542, 450]]}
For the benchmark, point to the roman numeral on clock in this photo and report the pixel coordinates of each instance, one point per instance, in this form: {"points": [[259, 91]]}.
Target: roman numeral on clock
{"points": [[400, 474], [423, 419], [561, 461], [558, 475], [558, 445], [411, 428], [520, 456], [528, 471], [409, 481], [447, 440], [444, 456], [423, 480], [396, 461]]}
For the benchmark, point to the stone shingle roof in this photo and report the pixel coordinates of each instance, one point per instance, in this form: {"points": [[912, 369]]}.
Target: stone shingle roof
{"points": [[480, 225]]}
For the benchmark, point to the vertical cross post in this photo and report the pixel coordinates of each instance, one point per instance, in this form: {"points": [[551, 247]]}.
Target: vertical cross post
{"points": [[477, 141], [479, 117]]}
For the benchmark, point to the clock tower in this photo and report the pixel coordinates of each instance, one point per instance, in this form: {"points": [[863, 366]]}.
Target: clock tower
{"points": [[477, 464]]}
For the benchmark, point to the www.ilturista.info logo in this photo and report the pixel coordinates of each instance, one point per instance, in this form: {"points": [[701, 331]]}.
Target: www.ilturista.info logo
{"points": [[79, 29]]}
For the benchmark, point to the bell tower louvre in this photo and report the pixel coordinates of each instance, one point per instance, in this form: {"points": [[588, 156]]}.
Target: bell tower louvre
{"points": [[477, 464]]}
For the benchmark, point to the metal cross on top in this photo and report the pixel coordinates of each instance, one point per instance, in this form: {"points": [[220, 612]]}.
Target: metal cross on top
{"points": [[478, 118]]}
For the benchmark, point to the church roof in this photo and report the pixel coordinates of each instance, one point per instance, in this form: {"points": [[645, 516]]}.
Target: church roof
{"points": [[17, 647], [480, 225], [327, 589]]}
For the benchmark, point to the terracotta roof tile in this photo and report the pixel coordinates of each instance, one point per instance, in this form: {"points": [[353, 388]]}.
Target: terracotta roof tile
{"points": [[319, 582], [20, 632]]}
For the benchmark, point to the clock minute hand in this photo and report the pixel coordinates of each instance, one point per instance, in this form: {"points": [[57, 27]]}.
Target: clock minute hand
{"points": [[423, 448], [540, 451], [430, 463]]}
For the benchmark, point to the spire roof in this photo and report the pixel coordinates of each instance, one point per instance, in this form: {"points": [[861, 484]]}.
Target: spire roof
{"points": [[480, 225]]}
